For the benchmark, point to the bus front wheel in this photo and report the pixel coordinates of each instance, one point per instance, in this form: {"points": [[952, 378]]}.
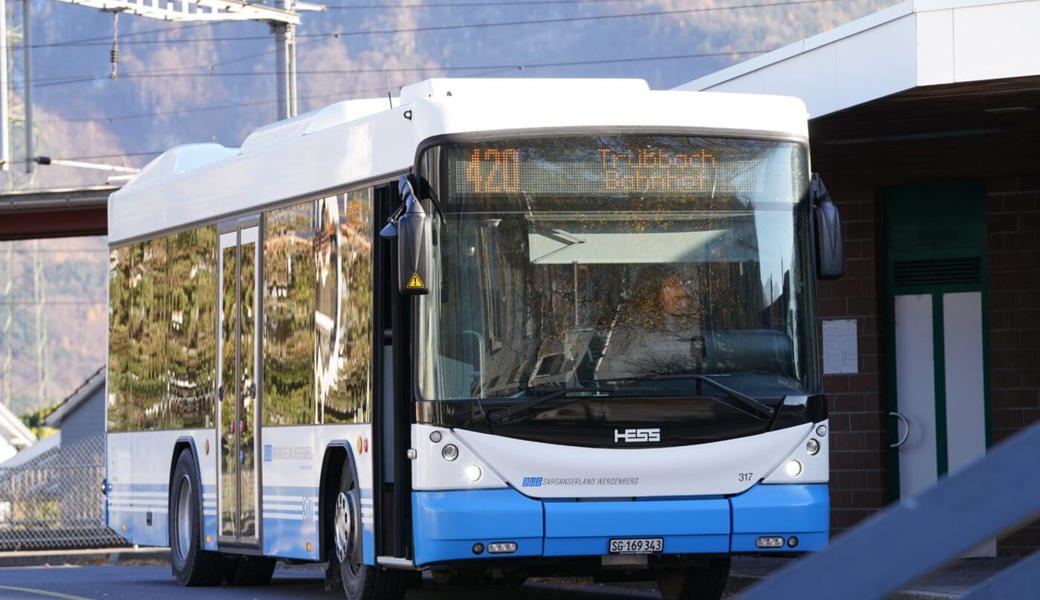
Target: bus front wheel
{"points": [[360, 581], [191, 565], [695, 583]]}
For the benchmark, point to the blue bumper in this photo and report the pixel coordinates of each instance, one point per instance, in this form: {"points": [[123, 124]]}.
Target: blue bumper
{"points": [[447, 525]]}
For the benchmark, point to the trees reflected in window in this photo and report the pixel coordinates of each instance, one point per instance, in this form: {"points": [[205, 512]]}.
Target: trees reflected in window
{"points": [[318, 311], [344, 316], [289, 301], [120, 406], [317, 321], [192, 342], [162, 343]]}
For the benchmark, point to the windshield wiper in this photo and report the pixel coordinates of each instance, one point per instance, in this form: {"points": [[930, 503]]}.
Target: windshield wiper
{"points": [[504, 414], [734, 398], [738, 400]]}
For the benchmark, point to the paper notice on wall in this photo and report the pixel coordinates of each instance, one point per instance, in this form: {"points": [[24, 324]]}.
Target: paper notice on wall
{"points": [[840, 347]]}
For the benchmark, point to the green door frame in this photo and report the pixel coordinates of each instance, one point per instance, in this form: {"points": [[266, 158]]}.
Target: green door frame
{"points": [[932, 225]]}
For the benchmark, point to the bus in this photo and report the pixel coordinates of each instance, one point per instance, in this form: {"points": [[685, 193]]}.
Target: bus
{"points": [[489, 328]]}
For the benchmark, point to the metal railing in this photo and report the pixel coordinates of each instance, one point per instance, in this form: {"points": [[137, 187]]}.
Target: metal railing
{"points": [[54, 501], [997, 494]]}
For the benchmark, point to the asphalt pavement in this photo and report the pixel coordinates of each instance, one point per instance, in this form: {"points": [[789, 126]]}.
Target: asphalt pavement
{"points": [[115, 574]]}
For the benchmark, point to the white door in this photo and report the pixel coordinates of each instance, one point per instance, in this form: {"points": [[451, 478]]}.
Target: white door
{"points": [[940, 389], [237, 392]]}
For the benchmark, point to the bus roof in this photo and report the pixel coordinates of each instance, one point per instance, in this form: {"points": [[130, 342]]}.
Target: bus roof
{"points": [[358, 141]]}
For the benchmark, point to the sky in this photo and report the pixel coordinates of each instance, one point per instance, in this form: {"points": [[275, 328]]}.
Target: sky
{"points": [[198, 82], [202, 82]]}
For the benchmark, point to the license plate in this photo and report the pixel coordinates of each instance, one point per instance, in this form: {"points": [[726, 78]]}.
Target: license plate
{"points": [[636, 545]]}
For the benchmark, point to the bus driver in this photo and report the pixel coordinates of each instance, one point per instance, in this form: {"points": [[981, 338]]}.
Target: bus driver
{"points": [[663, 336]]}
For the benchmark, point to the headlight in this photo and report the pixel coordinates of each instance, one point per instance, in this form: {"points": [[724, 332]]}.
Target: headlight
{"points": [[793, 468], [473, 473]]}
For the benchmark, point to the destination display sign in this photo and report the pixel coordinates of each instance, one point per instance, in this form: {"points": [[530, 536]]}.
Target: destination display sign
{"points": [[648, 165]]}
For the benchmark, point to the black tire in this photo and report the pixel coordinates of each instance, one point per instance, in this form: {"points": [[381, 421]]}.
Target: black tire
{"points": [[695, 583], [191, 565], [249, 570], [360, 581]]}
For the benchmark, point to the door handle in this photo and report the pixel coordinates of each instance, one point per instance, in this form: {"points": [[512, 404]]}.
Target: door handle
{"points": [[906, 429]]}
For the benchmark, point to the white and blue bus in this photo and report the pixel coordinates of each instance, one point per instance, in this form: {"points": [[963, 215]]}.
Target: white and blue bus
{"points": [[491, 328]]}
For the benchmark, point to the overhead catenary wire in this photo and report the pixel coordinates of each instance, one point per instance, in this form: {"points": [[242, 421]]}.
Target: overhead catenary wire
{"points": [[177, 27], [331, 36], [489, 69], [380, 70], [325, 37], [472, 4], [41, 82], [486, 25]]}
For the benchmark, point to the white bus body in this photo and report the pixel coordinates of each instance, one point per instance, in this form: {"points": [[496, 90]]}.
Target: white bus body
{"points": [[520, 495]]}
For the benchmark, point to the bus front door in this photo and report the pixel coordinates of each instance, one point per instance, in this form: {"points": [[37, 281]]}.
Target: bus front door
{"points": [[237, 391]]}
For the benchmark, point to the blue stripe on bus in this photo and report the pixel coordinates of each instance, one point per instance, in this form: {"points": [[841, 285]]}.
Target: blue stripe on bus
{"points": [[447, 524], [289, 538], [134, 527], [800, 511], [287, 529], [209, 527], [290, 490], [284, 530], [585, 528], [140, 487], [135, 521]]}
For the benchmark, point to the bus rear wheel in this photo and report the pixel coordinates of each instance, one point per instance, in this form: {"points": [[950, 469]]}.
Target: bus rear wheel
{"points": [[695, 583], [191, 565], [360, 581]]}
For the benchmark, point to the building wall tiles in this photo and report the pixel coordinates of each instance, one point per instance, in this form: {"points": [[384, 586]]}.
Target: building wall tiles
{"points": [[858, 411], [1013, 230]]}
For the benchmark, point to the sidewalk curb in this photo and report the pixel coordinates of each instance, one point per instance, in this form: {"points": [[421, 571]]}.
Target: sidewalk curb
{"points": [[49, 558], [741, 581], [738, 581]]}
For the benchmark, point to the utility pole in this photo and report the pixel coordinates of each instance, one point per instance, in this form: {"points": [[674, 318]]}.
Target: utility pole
{"points": [[30, 149], [285, 56], [5, 105], [7, 372], [282, 18], [42, 372]]}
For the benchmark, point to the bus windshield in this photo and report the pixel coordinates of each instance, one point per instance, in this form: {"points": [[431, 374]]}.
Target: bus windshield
{"points": [[612, 265]]}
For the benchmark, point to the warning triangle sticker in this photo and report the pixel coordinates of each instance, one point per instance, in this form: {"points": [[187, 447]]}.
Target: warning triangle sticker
{"points": [[415, 282]]}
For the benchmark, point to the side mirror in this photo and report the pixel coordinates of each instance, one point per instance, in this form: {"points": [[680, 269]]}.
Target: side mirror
{"points": [[413, 230], [830, 241]]}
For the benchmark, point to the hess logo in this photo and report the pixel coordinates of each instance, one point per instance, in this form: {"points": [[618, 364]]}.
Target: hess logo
{"points": [[637, 436]]}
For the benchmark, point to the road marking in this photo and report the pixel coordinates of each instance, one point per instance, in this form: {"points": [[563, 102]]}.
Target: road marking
{"points": [[43, 593]]}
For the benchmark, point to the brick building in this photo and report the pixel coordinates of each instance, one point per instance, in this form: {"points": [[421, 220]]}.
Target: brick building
{"points": [[925, 125]]}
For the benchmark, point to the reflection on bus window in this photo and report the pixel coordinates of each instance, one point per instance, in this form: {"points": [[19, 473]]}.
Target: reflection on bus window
{"points": [[192, 339], [289, 300], [344, 316], [580, 279]]}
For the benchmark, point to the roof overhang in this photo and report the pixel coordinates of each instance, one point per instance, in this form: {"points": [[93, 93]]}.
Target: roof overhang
{"points": [[87, 389], [54, 213], [14, 431], [914, 44]]}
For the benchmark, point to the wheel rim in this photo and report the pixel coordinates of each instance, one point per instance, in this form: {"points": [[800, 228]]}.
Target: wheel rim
{"points": [[345, 525], [184, 518]]}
